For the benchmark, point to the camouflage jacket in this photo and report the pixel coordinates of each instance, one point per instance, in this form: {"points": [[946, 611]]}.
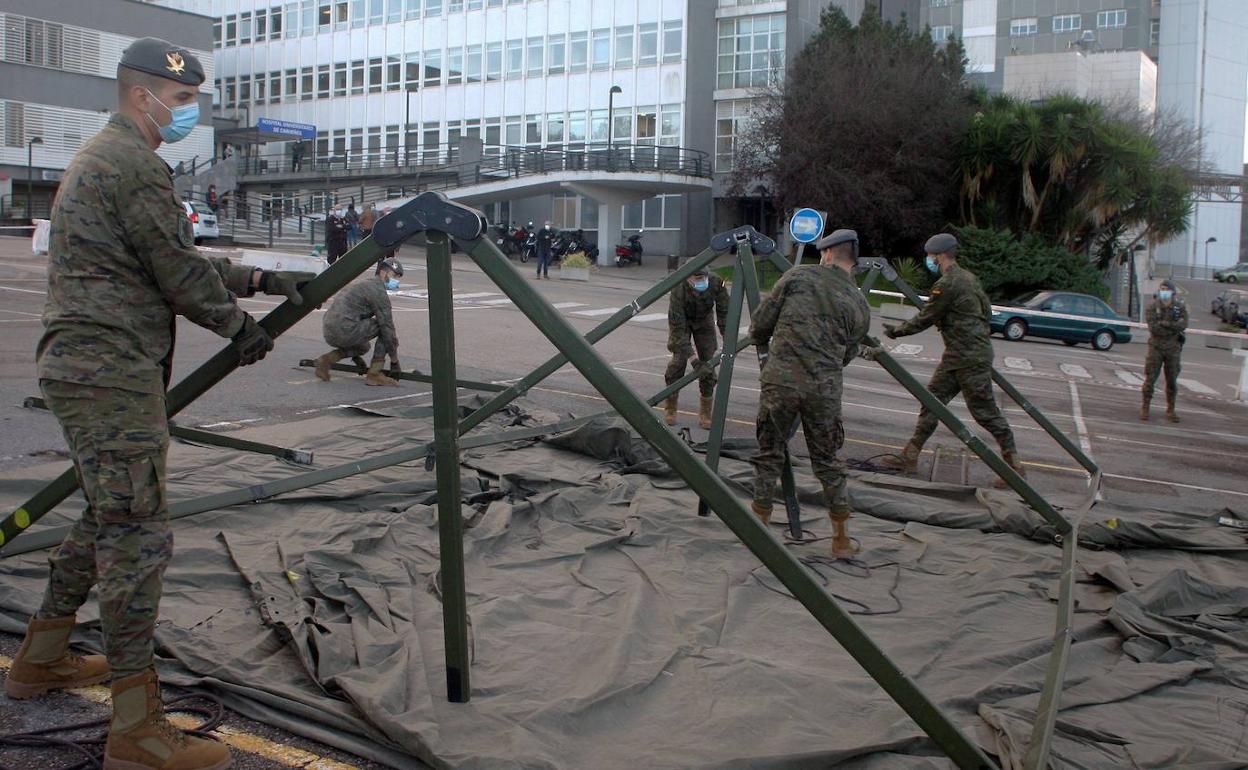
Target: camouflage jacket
{"points": [[1166, 325], [813, 321], [959, 307], [688, 310], [359, 302], [122, 264]]}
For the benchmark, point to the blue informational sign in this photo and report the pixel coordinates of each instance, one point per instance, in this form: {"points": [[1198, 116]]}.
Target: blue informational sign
{"points": [[286, 128], [806, 225]]}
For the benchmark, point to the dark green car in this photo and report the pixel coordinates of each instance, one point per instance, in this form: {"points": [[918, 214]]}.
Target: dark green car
{"points": [[1096, 324]]}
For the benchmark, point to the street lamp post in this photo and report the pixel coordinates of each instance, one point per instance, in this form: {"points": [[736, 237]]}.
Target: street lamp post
{"points": [[30, 175], [407, 128], [611, 111], [1208, 241]]}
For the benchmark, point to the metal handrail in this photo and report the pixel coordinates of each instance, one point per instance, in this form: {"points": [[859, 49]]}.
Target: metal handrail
{"points": [[500, 158]]}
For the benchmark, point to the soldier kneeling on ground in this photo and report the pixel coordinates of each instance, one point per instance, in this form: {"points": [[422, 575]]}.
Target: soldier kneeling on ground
{"points": [[357, 317]]}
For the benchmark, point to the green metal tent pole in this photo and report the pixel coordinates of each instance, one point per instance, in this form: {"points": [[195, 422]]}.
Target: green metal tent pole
{"points": [[215, 369], [446, 449], [727, 364], [620, 317], [412, 376], [298, 456], [788, 484], [743, 524]]}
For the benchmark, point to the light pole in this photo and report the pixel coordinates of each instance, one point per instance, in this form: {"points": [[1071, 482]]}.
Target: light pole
{"points": [[30, 175], [1208, 241], [407, 128], [611, 111]]}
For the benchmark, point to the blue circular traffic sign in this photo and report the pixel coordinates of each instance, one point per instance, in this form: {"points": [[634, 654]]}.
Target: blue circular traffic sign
{"points": [[806, 225]]}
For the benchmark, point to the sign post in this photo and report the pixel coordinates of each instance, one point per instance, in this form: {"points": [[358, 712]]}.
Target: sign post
{"points": [[805, 226]]}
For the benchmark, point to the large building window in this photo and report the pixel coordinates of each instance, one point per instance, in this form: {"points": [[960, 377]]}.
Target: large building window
{"points": [[1023, 27], [494, 61], [624, 46], [515, 58], [472, 66], [661, 212], [730, 120], [454, 66], [1111, 19], [578, 52], [647, 43], [1069, 22], [751, 51], [340, 79], [375, 75], [357, 77], [536, 61], [602, 48], [433, 67], [673, 40], [556, 54], [942, 33]]}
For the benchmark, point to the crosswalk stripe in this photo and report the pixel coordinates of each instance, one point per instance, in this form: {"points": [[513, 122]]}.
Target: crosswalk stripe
{"points": [[1075, 370], [503, 301], [595, 312], [567, 305], [649, 317], [475, 295], [906, 349], [1198, 387], [1131, 378], [1021, 364]]}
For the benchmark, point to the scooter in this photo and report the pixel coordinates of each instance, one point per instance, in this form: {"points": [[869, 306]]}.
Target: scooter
{"points": [[630, 251], [503, 239], [529, 248]]}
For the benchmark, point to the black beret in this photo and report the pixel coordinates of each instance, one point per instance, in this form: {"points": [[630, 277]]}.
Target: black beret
{"points": [[940, 243], [163, 59], [836, 238]]}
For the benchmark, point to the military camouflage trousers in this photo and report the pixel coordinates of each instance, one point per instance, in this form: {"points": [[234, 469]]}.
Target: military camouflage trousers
{"points": [[355, 339], [118, 440], [707, 343], [975, 385], [1162, 359], [779, 409]]}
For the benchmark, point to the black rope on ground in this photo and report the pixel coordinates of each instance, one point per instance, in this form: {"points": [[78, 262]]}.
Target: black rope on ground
{"points": [[868, 464], [91, 747]]}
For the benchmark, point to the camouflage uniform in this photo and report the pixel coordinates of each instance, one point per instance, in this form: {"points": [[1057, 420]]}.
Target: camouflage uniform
{"points": [[960, 308], [122, 265], [1166, 326], [360, 315], [689, 315], [813, 320]]}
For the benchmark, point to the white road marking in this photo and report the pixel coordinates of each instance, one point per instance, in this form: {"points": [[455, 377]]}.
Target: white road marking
{"points": [[906, 349], [1197, 387], [24, 291], [595, 312], [647, 358], [649, 317], [1075, 370], [1076, 411], [19, 321], [503, 301], [473, 295], [567, 305], [20, 312], [1131, 378], [31, 266], [228, 423], [1021, 364]]}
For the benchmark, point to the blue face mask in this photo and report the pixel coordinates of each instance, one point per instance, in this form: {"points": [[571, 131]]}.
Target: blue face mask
{"points": [[1165, 295], [702, 284], [182, 120], [932, 266], [392, 283]]}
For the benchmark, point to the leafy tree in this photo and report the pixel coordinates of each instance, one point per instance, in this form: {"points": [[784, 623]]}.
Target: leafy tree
{"points": [[865, 125], [1009, 266], [1076, 173]]}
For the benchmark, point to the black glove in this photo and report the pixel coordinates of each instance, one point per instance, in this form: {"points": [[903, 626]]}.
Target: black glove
{"points": [[890, 331], [252, 342], [285, 282]]}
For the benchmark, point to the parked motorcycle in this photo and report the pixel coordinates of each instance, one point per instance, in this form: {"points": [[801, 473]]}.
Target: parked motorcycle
{"points": [[630, 251], [572, 241], [529, 248]]}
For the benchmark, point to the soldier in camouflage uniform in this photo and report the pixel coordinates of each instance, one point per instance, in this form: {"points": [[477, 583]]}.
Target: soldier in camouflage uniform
{"points": [[362, 314], [960, 309], [689, 315], [1167, 324], [810, 327], [122, 265]]}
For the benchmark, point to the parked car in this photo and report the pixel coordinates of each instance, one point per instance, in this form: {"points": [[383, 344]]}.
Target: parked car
{"points": [[1102, 327], [1236, 274], [1233, 305], [203, 221]]}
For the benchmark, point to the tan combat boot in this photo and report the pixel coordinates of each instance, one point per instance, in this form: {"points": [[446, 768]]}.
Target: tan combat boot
{"points": [[764, 514], [375, 377], [1011, 459], [141, 738], [1144, 410], [669, 409], [44, 661], [704, 412], [324, 362], [907, 461], [842, 546]]}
